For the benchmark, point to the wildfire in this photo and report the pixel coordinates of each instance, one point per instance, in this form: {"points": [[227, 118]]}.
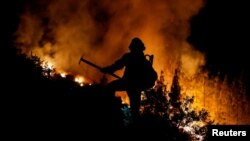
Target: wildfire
{"points": [[80, 80], [66, 34], [193, 127], [219, 98], [49, 71], [63, 75], [47, 65]]}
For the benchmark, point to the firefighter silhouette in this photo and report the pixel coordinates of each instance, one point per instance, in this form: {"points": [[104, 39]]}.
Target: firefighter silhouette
{"points": [[133, 80]]}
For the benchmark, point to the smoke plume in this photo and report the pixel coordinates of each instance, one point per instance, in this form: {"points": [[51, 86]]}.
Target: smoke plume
{"points": [[61, 31]]}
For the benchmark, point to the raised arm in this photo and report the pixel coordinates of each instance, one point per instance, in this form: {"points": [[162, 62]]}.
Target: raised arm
{"points": [[119, 64]]}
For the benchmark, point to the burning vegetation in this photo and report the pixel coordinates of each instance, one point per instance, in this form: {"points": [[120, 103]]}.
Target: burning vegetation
{"points": [[60, 34], [172, 114], [56, 93], [176, 111]]}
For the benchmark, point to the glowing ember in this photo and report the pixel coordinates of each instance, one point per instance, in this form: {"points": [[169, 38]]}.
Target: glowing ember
{"points": [[80, 80], [47, 65], [192, 128], [48, 69], [63, 75]]}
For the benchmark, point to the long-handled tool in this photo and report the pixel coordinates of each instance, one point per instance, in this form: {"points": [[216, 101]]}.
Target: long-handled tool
{"points": [[98, 67]]}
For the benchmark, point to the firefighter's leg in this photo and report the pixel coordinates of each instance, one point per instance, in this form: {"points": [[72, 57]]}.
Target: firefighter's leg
{"points": [[135, 101]]}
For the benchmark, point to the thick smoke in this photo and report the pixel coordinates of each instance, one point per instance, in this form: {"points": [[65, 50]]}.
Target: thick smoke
{"points": [[61, 31]]}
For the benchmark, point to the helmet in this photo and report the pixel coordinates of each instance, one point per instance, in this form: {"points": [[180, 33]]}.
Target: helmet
{"points": [[136, 45]]}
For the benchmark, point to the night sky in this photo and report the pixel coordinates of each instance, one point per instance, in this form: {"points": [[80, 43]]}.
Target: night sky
{"points": [[221, 31]]}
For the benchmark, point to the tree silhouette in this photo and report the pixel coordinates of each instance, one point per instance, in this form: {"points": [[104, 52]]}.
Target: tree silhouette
{"points": [[176, 114]]}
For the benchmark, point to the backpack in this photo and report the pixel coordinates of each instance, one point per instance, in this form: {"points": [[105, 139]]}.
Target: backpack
{"points": [[149, 73]]}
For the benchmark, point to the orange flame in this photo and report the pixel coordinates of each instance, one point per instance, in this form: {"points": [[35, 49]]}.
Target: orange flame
{"points": [[102, 32], [63, 75]]}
